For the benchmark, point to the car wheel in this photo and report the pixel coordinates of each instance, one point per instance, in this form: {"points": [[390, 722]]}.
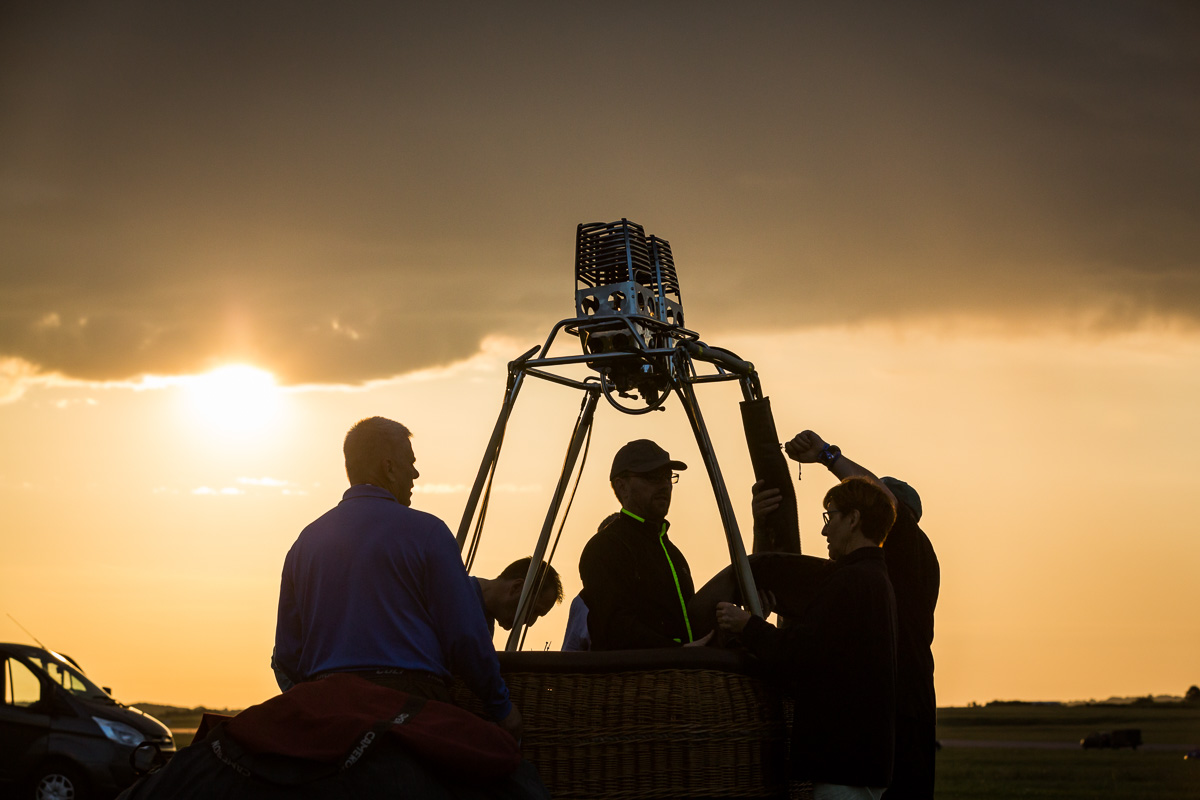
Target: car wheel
{"points": [[60, 782]]}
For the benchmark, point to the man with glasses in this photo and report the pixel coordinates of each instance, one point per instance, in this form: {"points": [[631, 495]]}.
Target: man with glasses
{"points": [[636, 582], [838, 657], [916, 579]]}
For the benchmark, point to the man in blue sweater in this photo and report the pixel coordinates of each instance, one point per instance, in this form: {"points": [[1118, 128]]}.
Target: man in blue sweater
{"points": [[376, 588]]}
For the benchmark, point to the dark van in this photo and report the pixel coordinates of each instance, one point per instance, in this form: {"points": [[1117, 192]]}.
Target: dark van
{"points": [[62, 737], [1125, 737]]}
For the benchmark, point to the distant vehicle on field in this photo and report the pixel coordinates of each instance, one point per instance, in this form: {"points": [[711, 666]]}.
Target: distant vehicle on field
{"points": [[1125, 737], [62, 736]]}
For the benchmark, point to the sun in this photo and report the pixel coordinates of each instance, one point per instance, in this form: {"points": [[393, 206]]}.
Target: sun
{"points": [[235, 398]]}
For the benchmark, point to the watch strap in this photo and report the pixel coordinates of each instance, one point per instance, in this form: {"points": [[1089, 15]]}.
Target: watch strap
{"points": [[830, 453]]}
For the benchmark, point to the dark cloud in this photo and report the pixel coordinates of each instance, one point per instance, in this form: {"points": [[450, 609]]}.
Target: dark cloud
{"points": [[341, 195]]}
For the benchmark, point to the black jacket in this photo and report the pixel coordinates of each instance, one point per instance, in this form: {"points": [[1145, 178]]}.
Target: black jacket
{"points": [[839, 661], [629, 586], [916, 578]]}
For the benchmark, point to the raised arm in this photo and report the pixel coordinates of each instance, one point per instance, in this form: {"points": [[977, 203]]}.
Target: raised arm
{"points": [[807, 447]]}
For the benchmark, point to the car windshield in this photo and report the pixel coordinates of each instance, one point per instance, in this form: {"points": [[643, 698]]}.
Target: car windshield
{"points": [[66, 676]]}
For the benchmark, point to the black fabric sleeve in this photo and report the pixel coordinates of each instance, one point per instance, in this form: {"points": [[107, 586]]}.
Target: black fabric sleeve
{"points": [[780, 531], [780, 649]]}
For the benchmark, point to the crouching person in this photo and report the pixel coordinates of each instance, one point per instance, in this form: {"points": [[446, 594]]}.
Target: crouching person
{"points": [[839, 658]]}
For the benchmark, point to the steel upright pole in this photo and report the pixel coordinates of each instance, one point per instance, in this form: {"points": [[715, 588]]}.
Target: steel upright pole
{"points": [[516, 373], [733, 536], [586, 415]]}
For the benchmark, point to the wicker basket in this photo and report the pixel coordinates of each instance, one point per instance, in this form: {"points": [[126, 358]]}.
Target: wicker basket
{"points": [[648, 724]]}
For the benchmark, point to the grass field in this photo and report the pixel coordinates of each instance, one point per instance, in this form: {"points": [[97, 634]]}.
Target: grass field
{"points": [[1162, 723], [996, 773], [1016, 771]]}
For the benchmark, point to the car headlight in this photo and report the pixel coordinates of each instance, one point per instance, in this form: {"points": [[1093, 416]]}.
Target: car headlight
{"points": [[119, 732]]}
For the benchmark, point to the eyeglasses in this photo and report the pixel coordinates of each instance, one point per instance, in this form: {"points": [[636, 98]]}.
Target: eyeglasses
{"points": [[825, 514], [672, 477]]}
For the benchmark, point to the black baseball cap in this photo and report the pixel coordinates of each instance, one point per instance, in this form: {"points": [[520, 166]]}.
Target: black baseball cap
{"points": [[905, 494], [642, 455]]}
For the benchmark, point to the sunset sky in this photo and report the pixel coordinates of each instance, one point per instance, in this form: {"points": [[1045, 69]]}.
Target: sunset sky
{"points": [[958, 240]]}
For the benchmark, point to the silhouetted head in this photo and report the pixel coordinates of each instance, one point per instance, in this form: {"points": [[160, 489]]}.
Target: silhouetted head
{"points": [[642, 477], [859, 513], [905, 494], [502, 605], [378, 452]]}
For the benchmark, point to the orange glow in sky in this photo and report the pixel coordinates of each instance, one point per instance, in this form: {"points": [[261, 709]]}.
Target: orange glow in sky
{"points": [[962, 246], [1053, 472]]}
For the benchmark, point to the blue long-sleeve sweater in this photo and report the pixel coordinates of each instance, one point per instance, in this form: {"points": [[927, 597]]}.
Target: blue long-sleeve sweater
{"points": [[373, 584]]}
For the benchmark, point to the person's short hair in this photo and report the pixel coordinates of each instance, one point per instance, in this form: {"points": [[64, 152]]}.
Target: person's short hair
{"points": [[520, 568], [368, 443], [874, 506]]}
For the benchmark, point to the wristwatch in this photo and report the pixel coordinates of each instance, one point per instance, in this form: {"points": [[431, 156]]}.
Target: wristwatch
{"points": [[829, 455]]}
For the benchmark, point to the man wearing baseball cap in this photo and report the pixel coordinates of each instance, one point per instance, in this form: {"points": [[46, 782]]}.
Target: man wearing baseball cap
{"points": [[636, 582]]}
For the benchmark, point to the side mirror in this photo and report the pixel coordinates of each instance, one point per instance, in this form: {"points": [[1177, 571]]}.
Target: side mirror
{"points": [[146, 758]]}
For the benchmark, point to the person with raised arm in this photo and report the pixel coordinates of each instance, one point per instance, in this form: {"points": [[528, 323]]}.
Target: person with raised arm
{"points": [[915, 574], [838, 656]]}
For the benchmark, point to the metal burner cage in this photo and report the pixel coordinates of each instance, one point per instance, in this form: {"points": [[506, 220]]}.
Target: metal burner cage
{"points": [[621, 271], [630, 326]]}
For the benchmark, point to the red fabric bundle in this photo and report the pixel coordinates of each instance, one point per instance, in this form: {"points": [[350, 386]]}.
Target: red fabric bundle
{"points": [[335, 719]]}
